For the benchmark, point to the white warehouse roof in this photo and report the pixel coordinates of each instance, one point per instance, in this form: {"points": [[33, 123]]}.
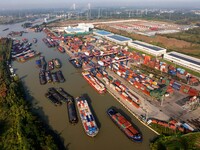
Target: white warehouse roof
{"points": [[118, 39], [102, 33], [148, 48], [183, 60]]}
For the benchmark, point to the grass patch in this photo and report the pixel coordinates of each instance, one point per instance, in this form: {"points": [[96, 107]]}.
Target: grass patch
{"points": [[164, 130], [191, 35], [188, 141]]}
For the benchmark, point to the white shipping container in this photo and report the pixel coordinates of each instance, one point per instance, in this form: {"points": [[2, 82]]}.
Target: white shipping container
{"points": [[112, 86], [122, 87], [130, 82], [124, 94], [118, 89], [119, 73]]}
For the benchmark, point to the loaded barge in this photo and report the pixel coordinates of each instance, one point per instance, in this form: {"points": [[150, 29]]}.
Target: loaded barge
{"points": [[125, 126], [75, 62], [87, 117], [94, 82]]}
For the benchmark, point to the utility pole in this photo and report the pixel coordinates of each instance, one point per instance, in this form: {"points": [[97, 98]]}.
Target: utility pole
{"points": [[99, 13], [89, 11], [129, 14]]}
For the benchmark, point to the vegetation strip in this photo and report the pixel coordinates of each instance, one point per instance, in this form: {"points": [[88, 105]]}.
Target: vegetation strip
{"points": [[20, 128]]}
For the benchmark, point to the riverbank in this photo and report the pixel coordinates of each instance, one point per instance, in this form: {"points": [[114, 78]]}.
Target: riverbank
{"points": [[187, 141], [20, 127]]}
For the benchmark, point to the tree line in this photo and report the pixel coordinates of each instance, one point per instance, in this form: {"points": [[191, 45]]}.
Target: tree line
{"points": [[19, 127]]}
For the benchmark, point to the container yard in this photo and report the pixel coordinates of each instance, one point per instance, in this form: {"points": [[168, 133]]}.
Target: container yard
{"points": [[142, 84]]}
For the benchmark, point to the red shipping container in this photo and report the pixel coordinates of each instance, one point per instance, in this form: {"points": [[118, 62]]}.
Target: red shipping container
{"points": [[193, 92]]}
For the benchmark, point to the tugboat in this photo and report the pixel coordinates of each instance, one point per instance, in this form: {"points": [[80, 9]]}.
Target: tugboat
{"points": [[125, 126], [87, 118]]}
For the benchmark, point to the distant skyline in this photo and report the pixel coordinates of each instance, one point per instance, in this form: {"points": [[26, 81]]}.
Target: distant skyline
{"points": [[26, 4]]}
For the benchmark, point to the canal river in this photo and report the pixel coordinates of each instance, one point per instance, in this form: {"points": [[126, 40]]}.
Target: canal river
{"points": [[109, 137]]}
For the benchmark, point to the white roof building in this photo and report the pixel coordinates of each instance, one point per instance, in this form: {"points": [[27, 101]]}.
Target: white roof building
{"points": [[81, 28], [147, 48], [183, 60]]}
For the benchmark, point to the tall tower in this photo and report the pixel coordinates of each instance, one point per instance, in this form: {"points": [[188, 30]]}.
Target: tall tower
{"points": [[89, 11], [74, 6]]}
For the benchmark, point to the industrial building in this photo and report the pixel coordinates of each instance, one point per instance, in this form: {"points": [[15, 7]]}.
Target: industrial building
{"points": [[183, 60], [102, 33], [118, 39], [81, 28], [147, 48]]}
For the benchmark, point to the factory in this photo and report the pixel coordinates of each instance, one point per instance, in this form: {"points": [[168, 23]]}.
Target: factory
{"points": [[147, 48], [81, 28], [118, 39], [183, 60], [102, 33]]}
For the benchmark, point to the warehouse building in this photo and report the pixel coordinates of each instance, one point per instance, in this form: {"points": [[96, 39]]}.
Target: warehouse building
{"points": [[183, 60], [102, 33], [118, 39], [147, 48], [81, 28]]}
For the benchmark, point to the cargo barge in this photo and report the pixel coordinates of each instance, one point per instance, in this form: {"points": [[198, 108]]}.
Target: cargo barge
{"points": [[75, 62], [42, 78], [87, 117], [50, 65], [61, 49], [56, 63], [38, 63], [72, 115], [125, 126], [28, 56], [48, 76], [94, 82], [56, 94], [54, 77], [5, 29], [60, 76], [53, 99], [64, 94], [43, 63]]}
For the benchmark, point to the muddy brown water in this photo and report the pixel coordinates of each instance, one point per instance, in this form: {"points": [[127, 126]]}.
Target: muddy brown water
{"points": [[109, 137]]}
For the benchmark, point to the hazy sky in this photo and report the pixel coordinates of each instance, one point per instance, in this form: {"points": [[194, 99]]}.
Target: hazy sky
{"points": [[19, 4]]}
